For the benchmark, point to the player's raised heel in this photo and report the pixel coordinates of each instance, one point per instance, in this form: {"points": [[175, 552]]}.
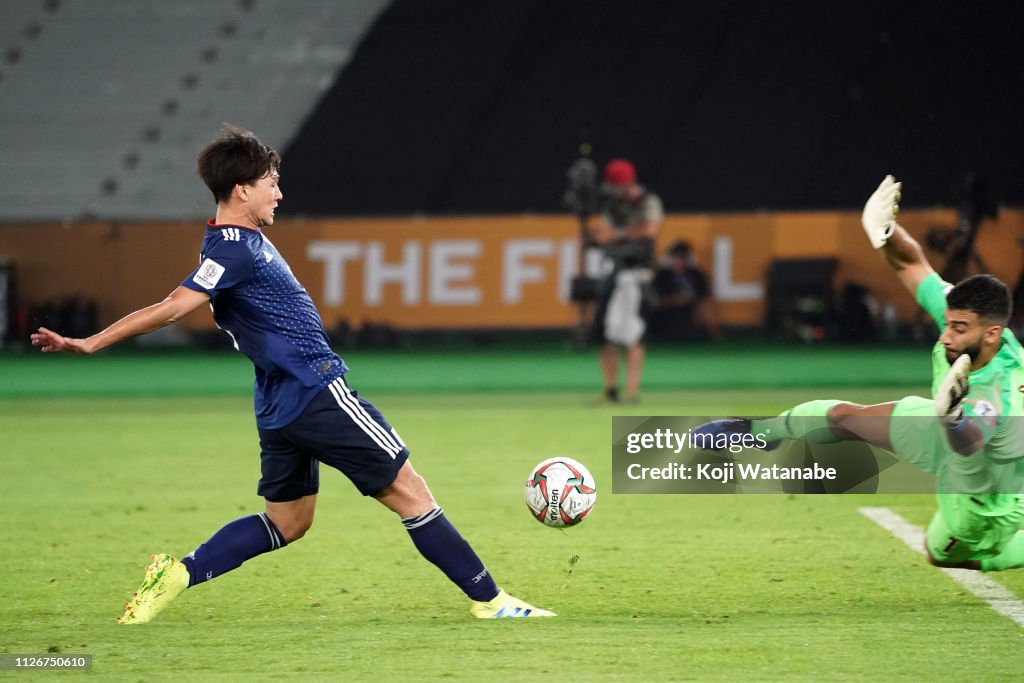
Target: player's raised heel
{"points": [[165, 579], [715, 435], [504, 606]]}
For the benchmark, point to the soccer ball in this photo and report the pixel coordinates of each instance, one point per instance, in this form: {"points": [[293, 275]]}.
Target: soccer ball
{"points": [[560, 492]]}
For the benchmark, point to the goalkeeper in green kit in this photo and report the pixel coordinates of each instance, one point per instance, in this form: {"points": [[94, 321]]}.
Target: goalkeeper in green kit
{"points": [[970, 435]]}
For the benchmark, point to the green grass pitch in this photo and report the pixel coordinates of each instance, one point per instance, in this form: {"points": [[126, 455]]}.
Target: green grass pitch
{"points": [[664, 588]]}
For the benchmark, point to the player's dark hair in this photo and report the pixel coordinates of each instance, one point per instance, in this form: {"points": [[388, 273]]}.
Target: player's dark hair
{"points": [[236, 157], [985, 295]]}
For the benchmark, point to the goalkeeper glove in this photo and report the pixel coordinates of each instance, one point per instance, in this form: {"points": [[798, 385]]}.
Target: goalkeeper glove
{"points": [[879, 217], [949, 400]]}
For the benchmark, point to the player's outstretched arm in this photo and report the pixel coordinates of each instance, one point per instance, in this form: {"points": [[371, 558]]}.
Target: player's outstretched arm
{"points": [[901, 251], [176, 306], [905, 256]]}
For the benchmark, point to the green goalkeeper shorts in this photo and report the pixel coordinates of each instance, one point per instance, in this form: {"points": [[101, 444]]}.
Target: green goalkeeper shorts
{"points": [[965, 527], [969, 527]]}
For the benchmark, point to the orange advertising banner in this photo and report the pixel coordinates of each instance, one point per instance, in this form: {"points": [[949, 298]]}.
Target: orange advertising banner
{"points": [[469, 272], [456, 272]]}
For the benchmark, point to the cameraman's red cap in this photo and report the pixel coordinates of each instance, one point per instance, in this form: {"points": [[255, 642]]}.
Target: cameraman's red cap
{"points": [[620, 172]]}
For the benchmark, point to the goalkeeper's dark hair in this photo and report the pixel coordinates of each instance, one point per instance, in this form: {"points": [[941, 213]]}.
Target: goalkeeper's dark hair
{"points": [[236, 157], [985, 295]]}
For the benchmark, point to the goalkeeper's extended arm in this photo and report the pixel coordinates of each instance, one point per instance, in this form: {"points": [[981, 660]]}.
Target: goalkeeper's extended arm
{"points": [[901, 251]]}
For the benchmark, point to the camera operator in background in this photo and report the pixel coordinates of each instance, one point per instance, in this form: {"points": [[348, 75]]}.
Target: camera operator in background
{"points": [[625, 231], [684, 309]]}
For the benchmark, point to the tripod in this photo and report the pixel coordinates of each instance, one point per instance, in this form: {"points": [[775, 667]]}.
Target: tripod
{"points": [[1017, 316], [963, 252], [582, 198]]}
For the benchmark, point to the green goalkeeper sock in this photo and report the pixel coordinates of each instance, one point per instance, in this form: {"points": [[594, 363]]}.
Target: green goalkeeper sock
{"points": [[1012, 556], [805, 421]]}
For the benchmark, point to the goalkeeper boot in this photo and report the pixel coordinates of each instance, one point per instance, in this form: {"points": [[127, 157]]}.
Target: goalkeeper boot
{"points": [[717, 435], [165, 579], [504, 606]]}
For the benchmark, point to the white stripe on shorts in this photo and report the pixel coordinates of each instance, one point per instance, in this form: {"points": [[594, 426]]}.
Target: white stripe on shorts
{"points": [[346, 394], [351, 406]]}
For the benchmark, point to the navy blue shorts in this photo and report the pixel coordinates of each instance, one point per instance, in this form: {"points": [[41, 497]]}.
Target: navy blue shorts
{"points": [[338, 429]]}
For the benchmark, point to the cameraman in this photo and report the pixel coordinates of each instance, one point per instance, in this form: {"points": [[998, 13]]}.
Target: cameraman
{"points": [[625, 231], [684, 308]]}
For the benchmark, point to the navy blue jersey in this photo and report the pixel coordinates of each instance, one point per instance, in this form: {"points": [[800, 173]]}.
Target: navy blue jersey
{"points": [[271, 319]]}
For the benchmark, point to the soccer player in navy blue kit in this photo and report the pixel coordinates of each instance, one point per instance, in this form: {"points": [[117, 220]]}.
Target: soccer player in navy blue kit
{"points": [[306, 413]]}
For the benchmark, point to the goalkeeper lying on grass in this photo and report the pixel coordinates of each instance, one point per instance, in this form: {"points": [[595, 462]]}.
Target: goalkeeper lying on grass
{"points": [[970, 435]]}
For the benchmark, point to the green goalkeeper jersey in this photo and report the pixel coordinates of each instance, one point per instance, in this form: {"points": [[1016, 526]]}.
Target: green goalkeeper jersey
{"points": [[995, 403]]}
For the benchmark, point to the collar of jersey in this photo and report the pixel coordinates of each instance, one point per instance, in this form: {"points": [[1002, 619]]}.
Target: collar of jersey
{"points": [[210, 225], [1009, 352]]}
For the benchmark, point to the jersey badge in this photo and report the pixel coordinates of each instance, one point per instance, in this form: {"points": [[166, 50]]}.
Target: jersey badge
{"points": [[984, 409], [209, 274]]}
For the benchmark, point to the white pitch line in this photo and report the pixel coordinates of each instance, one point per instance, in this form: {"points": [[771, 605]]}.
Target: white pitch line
{"points": [[995, 595]]}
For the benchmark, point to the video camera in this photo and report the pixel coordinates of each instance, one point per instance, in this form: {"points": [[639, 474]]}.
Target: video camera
{"points": [[583, 190], [975, 203], [583, 197]]}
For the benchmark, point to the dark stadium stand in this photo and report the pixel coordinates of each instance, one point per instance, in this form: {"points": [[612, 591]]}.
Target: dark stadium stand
{"points": [[455, 107]]}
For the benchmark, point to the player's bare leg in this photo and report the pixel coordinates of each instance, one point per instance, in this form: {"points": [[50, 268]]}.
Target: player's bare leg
{"points": [[293, 518], [634, 370], [855, 422], [408, 495], [609, 357]]}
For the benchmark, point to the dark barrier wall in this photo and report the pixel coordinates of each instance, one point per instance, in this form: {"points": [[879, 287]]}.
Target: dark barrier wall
{"points": [[452, 106]]}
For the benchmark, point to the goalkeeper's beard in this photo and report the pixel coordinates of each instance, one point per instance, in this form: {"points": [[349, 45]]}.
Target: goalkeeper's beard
{"points": [[972, 351]]}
